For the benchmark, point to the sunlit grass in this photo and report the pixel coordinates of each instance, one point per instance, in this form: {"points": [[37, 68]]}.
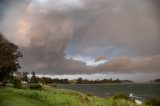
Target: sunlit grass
{"points": [[60, 97], [13, 99]]}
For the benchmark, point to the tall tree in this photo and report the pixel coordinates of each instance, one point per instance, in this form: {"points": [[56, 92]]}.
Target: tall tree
{"points": [[34, 78], [9, 54], [25, 76]]}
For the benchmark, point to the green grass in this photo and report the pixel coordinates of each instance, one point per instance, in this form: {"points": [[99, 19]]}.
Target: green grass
{"points": [[12, 99], [54, 97]]}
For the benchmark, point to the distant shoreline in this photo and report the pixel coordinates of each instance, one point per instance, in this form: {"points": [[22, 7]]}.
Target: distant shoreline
{"points": [[106, 84]]}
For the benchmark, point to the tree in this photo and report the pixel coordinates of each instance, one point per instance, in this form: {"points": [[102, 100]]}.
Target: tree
{"points": [[9, 55], [34, 78], [79, 81], [25, 76], [17, 82]]}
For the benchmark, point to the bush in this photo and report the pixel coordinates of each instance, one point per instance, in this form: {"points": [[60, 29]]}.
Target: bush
{"points": [[35, 86], [120, 95], [89, 94], [152, 102], [17, 83]]}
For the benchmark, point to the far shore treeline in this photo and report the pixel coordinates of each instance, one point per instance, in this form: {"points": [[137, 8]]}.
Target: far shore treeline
{"points": [[23, 77]]}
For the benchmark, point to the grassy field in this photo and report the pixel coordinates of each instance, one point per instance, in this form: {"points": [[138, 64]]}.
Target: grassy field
{"points": [[13, 99], [54, 97]]}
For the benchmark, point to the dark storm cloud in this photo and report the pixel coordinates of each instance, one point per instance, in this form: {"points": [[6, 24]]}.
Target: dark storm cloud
{"points": [[124, 64], [3, 5], [43, 35], [47, 32], [132, 26], [157, 5]]}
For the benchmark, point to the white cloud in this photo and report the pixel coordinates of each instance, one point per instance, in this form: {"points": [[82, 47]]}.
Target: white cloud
{"points": [[136, 77], [89, 61], [60, 5]]}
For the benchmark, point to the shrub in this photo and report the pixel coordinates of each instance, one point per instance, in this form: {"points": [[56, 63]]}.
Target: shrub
{"points": [[120, 95], [35, 86], [152, 102], [89, 94], [17, 83]]}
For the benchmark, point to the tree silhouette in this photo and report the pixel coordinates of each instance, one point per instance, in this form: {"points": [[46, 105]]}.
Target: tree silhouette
{"points": [[79, 81], [9, 54], [34, 78], [25, 76]]}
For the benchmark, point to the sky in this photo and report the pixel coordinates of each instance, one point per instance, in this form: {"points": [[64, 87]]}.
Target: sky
{"points": [[93, 39]]}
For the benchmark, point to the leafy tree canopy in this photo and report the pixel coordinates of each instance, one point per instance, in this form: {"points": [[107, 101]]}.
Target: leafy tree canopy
{"points": [[9, 54]]}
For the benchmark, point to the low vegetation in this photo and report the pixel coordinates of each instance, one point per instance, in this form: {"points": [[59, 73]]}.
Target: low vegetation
{"points": [[120, 95], [35, 86], [152, 102], [49, 96], [60, 97], [17, 83]]}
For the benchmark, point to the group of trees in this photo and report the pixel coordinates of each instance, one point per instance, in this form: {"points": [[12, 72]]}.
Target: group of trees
{"points": [[47, 80], [23, 77], [21, 80], [9, 64], [155, 81], [103, 81]]}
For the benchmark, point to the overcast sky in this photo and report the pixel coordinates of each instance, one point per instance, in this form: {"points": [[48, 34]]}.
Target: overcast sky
{"points": [[85, 38]]}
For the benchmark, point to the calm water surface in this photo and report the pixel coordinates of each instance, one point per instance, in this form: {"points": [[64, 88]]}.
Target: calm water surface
{"points": [[104, 90]]}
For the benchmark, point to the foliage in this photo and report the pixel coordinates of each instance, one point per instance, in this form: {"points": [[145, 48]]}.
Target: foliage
{"points": [[61, 97], [157, 80], [34, 79], [17, 83], [47, 80], [35, 86], [25, 76], [9, 54], [120, 95], [79, 81], [152, 102], [89, 94], [103, 81]]}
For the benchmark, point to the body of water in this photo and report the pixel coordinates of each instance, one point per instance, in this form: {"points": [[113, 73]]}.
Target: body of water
{"points": [[104, 90]]}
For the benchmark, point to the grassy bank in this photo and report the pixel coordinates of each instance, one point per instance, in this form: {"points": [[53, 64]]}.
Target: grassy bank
{"points": [[55, 97], [13, 99]]}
